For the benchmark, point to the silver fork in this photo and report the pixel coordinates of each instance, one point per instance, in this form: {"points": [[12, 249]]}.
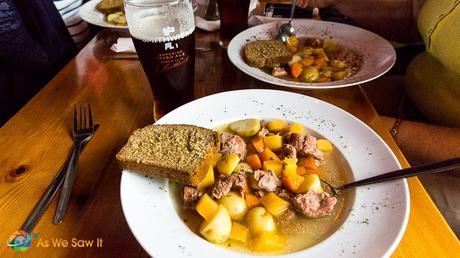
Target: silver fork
{"points": [[82, 131]]}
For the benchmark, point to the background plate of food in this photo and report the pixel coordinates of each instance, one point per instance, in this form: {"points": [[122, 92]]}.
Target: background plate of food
{"points": [[105, 13], [324, 55], [259, 214]]}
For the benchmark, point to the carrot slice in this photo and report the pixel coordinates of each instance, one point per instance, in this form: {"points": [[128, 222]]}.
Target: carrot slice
{"points": [[254, 161], [258, 143], [308, 162], [267, 154], [251, 200], [296, 70]]}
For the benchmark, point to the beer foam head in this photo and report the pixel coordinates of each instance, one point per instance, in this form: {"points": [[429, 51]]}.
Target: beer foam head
{"points": [[159, 20]]}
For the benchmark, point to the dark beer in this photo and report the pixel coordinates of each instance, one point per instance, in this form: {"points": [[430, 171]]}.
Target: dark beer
{"points": [[163, 33], [233, 18], [169, 67]]}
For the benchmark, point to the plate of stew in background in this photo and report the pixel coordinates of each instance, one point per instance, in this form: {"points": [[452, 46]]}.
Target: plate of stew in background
{"points": [[322, 55], [364, 222]]}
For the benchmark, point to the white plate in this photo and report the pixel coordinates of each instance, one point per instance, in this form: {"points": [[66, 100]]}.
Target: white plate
{"points": [[89, 13], [375, 223], [378, 54]]}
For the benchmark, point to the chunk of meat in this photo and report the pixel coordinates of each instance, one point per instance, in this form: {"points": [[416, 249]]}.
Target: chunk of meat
{"points": [[289, 151], [309, 148], [231, 143], [287, 217], [349, 57], [267, 180], [191, 195], [284, 194], [263, 132], [313, 42], [296, 141], [225, 184], [279, 71], [313, 204]]}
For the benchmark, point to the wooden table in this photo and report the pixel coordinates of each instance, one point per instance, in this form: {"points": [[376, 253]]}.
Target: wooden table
{"points": [[35, 143]]}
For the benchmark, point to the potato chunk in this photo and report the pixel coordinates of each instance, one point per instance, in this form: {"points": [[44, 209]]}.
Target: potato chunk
{"points": [[246, 127], [217, 230]]}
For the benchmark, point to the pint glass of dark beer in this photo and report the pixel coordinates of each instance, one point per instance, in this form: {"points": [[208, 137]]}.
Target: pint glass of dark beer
{"points": [[163, 32], [233, 19]]}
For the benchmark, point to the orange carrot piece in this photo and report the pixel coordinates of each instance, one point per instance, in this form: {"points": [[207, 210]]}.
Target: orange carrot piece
{"points": [[258, 143], [296, 69], [320, 63], [306, 171], [292, 182], [308, 162], [251, 200], [267, 154], [254, 161]]}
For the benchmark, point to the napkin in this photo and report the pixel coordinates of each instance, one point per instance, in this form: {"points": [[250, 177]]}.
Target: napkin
{"points": [[123, 45]]}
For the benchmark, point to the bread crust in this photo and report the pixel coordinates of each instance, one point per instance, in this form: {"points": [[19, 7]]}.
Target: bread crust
{"points": [[168, 156]]}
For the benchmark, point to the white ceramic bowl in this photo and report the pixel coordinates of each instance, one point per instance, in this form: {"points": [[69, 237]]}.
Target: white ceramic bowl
{"points": [[377, 53], [373, 227]]}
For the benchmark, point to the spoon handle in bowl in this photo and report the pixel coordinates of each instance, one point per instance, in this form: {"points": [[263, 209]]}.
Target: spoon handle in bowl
{"points": [[408, 172], [292, 10]]}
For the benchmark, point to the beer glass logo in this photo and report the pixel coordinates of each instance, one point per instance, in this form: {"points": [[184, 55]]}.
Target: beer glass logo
{"points": [[20, 241]]}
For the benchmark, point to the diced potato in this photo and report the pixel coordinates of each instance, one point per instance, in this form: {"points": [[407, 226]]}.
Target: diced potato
{"points": [[235, 205], [311, 182], [228, 163], [294, 59], [217, 157], [293, 41], [338, 75], [338, 64], [206, 207], [274, 204], [246, 127], [276, 125], [290, 169], [329, 45], [268, 242], [239, 232], [243, 167], [218, 228], [289, 161], [318, 51], [208, 180], [326, 73], [259, 220], [324, 145], [307, 61], [296, 128], [273, 142], [309, 74], [274, 165]]}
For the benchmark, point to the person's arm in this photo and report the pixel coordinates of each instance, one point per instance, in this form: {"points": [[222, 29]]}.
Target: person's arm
{"points": [[423, 143], [393, 19]]}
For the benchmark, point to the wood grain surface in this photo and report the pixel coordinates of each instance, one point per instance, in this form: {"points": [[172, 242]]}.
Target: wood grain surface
{"points": [[36, 141]]}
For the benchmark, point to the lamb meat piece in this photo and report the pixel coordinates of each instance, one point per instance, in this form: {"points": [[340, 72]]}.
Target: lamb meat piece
{"points": [[279, 71], [267, 180], [309, 148], [284, 194], [349, 57], [313, 204], [313, 42], [191, 195], [289, 151], [231, 143], [263, 132], [296, 141], [225, 184]]}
